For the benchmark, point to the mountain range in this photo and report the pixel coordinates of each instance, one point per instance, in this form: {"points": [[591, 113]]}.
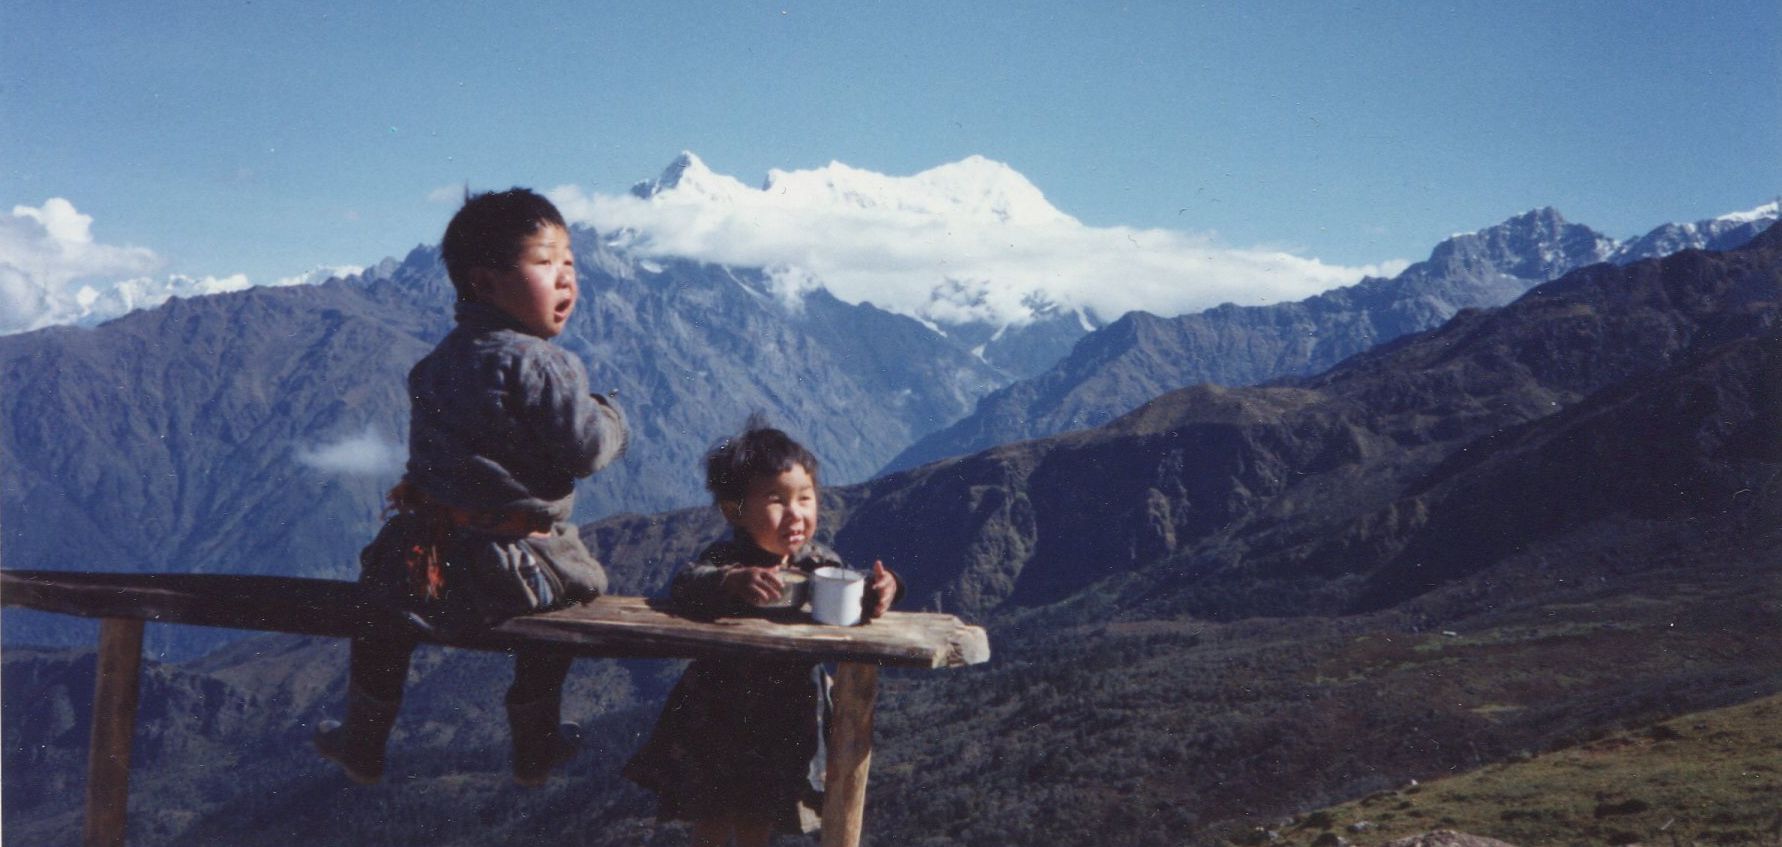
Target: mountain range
{"points": [[1332, 494], [254, 431], [1140, 355], [1525, 528]]}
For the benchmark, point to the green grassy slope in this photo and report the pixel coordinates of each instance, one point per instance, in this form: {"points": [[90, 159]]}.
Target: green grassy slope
{"points": [[1712, 777]]}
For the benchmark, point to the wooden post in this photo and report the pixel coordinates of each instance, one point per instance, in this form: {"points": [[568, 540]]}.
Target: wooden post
{"points": [[115, 688], [850, 753]]}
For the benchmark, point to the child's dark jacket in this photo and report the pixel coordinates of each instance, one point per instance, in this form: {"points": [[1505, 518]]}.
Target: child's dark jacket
{"points": [[739, 737], [501, 423]]}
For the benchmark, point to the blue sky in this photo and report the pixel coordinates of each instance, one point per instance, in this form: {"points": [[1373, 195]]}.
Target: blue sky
{"points": [[267, 138]]}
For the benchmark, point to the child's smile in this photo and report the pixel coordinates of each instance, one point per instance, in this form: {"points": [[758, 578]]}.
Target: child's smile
{"points": [[779, 513]]}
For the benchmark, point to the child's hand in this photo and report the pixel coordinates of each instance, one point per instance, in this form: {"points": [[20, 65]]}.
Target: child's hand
{"points": [[753, 585], [881, 586]]}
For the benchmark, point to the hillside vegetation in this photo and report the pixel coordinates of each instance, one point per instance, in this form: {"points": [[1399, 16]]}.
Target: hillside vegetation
{"points": [[1708, 777]]}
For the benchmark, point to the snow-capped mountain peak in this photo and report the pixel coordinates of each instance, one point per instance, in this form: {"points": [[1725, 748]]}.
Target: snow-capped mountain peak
{"points": [[1767, 212], [963, 242], [1721, 233], [689, 175], [975, 188]]}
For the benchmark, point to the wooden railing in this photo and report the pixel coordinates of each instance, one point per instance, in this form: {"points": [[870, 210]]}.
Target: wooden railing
{"points": [[609, 627]]}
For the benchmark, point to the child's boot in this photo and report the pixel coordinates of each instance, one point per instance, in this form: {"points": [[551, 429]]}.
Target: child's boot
{"points": [[358, 745], [540, 742]]}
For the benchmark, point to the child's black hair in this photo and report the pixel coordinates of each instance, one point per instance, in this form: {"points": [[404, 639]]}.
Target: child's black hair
{"points": [[759, 451], [487, 231]]}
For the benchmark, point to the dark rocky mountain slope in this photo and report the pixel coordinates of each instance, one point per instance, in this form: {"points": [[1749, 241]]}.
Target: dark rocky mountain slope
{"points": [[1140, 356], [1316, 495], [1325, 494]]}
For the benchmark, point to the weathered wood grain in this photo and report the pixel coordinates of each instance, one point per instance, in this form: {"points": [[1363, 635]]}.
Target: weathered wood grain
{"points": [[849, 754], [616, 627], [115, 688]]}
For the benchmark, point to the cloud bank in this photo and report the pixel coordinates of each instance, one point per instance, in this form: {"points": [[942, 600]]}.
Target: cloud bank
{"points": [[969, 241], [52, 272]]}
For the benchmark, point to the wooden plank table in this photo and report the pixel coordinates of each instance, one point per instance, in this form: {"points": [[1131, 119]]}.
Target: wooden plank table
{"points": [[609, 627]]}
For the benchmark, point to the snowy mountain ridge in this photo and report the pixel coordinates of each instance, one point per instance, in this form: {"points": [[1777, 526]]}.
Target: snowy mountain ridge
{"points": [[971, 248], [974, 188], [1717, 233]]}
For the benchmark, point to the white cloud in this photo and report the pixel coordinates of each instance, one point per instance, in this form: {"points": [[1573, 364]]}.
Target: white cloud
{"points": [[969, 240], [53, 272], [368, 453]]}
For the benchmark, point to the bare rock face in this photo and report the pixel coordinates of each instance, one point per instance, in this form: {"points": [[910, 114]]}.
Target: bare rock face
{"points": [[1446, 838]]}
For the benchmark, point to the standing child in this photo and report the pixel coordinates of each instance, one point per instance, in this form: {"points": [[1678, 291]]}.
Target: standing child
{"points": [[739, 747], [501, 425]]}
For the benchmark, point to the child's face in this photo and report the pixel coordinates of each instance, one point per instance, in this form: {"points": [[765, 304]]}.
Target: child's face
{"points": [[779, 513], [539, 290]]}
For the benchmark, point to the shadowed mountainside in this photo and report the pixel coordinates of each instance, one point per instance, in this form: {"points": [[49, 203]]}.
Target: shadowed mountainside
{"points": [[1330, 494], [1140, 356]]}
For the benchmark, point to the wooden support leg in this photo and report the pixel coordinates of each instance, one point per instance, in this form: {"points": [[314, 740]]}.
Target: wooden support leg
{"points": [[850, 753], [114, 723]]}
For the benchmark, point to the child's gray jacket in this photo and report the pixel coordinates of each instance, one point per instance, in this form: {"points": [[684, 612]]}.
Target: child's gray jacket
{"points": [[501, 424], [503, 420]]}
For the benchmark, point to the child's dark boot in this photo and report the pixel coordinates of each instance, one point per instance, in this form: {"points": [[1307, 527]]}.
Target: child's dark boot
{"points": [[358, 745], [540, 742]]}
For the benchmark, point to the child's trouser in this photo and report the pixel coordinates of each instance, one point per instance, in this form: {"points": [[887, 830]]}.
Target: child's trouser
{"points": [[432, 566], [379, 667]]}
